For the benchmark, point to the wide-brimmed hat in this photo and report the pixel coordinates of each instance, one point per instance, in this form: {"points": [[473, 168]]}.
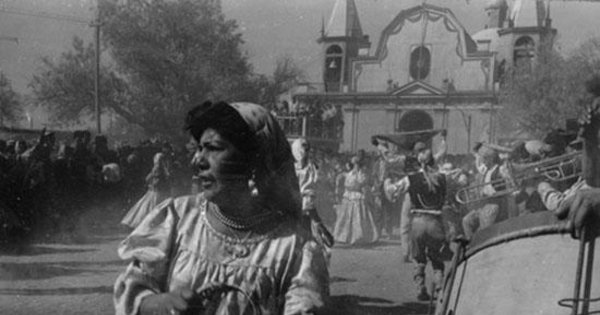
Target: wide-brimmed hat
{"points": [[419, 146]]}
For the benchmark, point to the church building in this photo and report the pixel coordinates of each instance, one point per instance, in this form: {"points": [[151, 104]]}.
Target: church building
{"points": [[425, 72]]}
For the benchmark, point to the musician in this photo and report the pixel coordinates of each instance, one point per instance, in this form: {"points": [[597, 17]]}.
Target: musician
{"points": [[583, 207], [496, 175], [530, 151], [554, 199], [580, 202], [456, 179], [427, 189]]}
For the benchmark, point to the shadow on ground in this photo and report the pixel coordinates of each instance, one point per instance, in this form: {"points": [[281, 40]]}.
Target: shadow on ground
{"points": [[34, 250], [379, 245], [47, 270], [58, 291], [362, 305]]}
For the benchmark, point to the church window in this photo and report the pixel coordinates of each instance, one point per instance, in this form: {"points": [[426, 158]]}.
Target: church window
{"points": [[420, 63], [524, 51]]}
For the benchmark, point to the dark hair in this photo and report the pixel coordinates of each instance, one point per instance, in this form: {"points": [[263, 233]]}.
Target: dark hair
{"points": [[225, 120]]}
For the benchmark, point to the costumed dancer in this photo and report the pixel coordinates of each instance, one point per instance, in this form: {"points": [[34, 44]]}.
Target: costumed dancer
{"points": [[159, 188], [427, 191], [355, 224]]}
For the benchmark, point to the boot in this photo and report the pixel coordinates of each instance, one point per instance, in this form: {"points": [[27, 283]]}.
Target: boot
{"points": [[419, 279], [423, 295], [438, 280]]}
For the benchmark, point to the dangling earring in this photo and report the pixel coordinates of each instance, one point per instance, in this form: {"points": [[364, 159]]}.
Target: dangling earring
{"points": [[252, 185]]}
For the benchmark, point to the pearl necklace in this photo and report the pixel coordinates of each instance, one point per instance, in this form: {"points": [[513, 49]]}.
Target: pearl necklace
{"points": [[242, 224]]}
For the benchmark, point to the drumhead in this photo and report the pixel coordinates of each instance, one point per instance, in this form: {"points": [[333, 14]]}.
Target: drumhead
{"points": [[524, 265], [529, 225]]}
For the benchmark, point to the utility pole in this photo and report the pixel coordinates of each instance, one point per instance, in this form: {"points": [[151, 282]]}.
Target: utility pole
{"points": [[96, 25], [16, 41], [74, 19]]}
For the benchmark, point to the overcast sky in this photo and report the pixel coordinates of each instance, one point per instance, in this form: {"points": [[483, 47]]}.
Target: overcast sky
{"points": [[271, 28]]}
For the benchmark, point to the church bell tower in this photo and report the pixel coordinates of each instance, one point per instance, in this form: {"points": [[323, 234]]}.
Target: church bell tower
{"points": [[528, 31], [341, 40]]}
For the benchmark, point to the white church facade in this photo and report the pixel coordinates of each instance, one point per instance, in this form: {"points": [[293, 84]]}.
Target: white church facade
{"points": [[425, 72]]}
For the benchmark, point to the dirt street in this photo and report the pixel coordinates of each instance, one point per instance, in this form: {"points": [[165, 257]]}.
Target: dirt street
{"points": [[55, 276]]}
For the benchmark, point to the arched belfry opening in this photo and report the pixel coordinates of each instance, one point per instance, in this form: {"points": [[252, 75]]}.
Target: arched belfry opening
{"points": [[524, 51], [334, 57]]}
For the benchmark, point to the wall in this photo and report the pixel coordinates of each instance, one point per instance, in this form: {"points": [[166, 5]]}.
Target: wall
{"points": [[380, 119], [448, 58]]}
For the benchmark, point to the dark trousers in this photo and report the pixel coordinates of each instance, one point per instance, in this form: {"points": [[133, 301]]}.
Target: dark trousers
{"points": [[428, 243]]}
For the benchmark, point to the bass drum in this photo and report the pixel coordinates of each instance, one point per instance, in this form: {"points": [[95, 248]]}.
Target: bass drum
{"points": [[524, 265]]}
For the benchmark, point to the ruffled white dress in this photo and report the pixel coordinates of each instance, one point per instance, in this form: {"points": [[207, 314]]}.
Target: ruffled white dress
{"points": [[158, 189], [355, 224], [281, 272]]}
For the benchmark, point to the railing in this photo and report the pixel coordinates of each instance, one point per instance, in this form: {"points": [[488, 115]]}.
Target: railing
{"points": [[302, 126], [294, 126]]}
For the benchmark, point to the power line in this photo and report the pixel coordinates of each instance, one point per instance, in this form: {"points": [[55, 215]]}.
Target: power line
{"points": [[53, 16], [95, 23]]}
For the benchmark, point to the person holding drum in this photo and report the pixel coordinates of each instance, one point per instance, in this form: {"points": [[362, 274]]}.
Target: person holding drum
{"points": [[581, 202]]}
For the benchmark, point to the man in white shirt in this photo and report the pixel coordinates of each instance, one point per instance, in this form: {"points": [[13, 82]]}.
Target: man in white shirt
{"points": [[496, 177]]}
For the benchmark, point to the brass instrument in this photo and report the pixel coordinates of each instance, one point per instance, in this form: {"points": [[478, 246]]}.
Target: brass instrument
{"points": [[555, 169]]}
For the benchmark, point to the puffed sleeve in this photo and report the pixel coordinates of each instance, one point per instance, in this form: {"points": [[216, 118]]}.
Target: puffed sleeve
{"points": [[309, 285], [553, 199], [394, 189], [148, 248]]}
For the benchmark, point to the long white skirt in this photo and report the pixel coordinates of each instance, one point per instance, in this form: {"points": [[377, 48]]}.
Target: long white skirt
{"points": [[355, 224], [140, 209]]}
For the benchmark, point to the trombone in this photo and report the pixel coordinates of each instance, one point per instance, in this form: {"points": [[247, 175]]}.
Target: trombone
{"points": [[555, 169]]}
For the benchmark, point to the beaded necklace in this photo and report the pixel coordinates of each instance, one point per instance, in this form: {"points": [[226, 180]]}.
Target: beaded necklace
{"points": [[235, 224], [242, 224]]}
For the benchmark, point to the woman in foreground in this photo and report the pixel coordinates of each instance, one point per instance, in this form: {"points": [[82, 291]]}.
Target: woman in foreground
{"points": [[238, 247]]}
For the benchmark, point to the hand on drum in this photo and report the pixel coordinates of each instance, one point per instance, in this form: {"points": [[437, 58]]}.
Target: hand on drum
{"points": [[583, 209]]}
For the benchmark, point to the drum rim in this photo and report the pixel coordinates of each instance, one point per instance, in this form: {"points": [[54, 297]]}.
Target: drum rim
{"points": [[525, 226]]}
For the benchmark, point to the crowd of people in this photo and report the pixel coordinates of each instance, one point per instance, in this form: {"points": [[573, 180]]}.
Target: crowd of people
{"points": [[48, 182], [428, 198], [257, 236], [240, 215]]}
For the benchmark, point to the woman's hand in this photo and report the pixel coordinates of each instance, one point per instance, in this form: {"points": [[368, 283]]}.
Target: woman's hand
{"points": [[583, 209], [172, 303]]}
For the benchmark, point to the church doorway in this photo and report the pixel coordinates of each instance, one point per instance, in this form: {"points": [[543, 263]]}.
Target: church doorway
{"points": [[414, 120]]}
